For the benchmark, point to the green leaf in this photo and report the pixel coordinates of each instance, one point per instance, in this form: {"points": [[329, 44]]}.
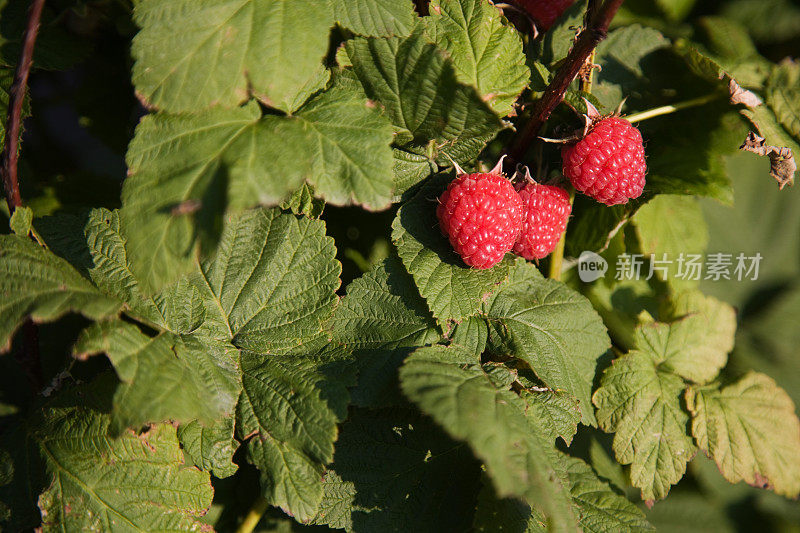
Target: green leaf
{"points": [[556, 412], [642, 404], [134, 482], [186, 169], [751, 431], [376, 18], [783, 94], [759, 17], [697, 346], [623, 58], [34, 282], [21, 221], [272, 283], [485, 51], [668, 226], [291, 423], [552, 328], [691, 512], [472, 334], [599, 507], [210, 448], [302, 202], [493, 422], [159, 376], [397, 73], [409, 170], [228, 50], [452, 289], [395, 470], [380, 319]]}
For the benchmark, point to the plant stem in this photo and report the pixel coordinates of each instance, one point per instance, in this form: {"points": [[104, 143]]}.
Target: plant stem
{"points": [[667, 109], [28, 357], [557, 257], [595, 31], [10, 157], [253, 516]]}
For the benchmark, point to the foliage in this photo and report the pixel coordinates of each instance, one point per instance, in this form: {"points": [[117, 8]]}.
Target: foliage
{"points": [[265, 314]]}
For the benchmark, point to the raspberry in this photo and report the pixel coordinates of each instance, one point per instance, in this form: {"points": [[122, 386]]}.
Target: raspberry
{"points": [[547, 210], [481, 214], [608, 163], [545, 12]]}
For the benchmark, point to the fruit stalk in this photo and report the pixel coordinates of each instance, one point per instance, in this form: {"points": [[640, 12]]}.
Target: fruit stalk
{"points": [[595, 31], [557, 257], [253, 516], [668, 109]]}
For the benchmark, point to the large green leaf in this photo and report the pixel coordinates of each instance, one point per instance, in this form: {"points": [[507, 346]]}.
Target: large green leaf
{"points": [[552, 328], [271, 285], [160, 377], [485, 51], [381, 319], [187, 169], [376, 18], [464, 401], [289, 412], [395, 470], [192, 54], [210, 448], [419, 90], [750, 429], [452, 289], [132, 483], [641, 402], [35, 282]]}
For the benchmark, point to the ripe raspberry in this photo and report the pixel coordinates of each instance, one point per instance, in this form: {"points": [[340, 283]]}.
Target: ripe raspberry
{"points": [[545, 12], [608, 163], [547, 210], [481, 214]]}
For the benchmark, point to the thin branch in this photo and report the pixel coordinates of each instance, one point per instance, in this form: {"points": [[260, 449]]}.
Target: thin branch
{"points": [[28, 356], [10, 158], [595, 31]]}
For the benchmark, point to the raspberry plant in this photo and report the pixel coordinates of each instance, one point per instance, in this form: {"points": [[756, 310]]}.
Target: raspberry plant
{"points": [[268, 330]]}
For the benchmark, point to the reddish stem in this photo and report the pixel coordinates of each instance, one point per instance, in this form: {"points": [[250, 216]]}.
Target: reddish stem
{"points": [[595, 31], [28, 357], [10, 158]]}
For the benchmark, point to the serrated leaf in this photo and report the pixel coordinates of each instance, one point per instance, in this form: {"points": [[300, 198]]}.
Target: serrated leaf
{"points": [[160, 381], [410, 169], [272, 281], [35, 282], [376, 18], [187, 169], [397, 73], [751, 431], [291, 423], [642, 404], [557, 413], [600, 508], [452, 289], [472, 334], [381, 319], [696, 346], [552, 328], [302, 202], [135, 482], [394, 470], [210, 448], [783, 94], [492, 421], [485, 52], [668, 226], [227, 50]]}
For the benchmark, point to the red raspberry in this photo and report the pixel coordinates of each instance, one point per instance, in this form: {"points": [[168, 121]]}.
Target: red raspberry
{"points": [[545, 12], [481, 214], [608, 163], [547, 210]]}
